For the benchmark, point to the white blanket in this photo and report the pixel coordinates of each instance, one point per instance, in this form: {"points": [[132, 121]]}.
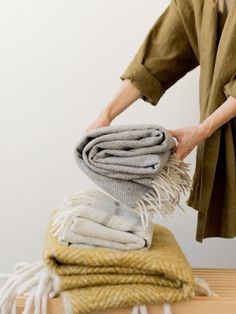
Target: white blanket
{"points": [[90, 218]]}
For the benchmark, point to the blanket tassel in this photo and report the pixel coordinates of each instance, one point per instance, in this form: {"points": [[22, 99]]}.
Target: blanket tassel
{"points": [[143, 309], [31, 280], [37, 284], [162, 199], [165, 193]]}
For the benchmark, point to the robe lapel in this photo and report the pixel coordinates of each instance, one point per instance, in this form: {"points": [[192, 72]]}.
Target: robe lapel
{"points": [[219, 66], [226, 50], [209, 36], [215, 54]]}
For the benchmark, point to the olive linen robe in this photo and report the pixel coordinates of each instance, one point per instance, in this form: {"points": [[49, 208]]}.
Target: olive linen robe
{"points": [[185, 36]]}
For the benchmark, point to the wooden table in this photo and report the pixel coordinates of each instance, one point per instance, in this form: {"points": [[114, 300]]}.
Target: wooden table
{"points": [[221, 280]]}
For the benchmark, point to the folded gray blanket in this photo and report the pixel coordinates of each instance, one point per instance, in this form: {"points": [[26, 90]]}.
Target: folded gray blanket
{"points": [[135, 164]]}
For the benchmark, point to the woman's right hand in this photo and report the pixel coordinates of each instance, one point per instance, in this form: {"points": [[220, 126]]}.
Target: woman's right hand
{"points": [[100, 122]]}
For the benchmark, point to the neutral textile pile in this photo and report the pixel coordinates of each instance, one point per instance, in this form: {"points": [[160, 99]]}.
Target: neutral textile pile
{"points": [[103, 251], [91, 218], [91, 278], [101, 278], [134, 164]]}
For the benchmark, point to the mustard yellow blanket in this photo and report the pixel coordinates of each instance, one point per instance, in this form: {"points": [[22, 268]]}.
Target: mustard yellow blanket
{"points": [[96, 279]]}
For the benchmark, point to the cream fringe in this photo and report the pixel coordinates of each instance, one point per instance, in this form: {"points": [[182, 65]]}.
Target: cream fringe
{"points": [[163, 197], [165, 191], [31, 280], [70, 208], [221, 5], [38, 285], [140, 309], [202, 288]]}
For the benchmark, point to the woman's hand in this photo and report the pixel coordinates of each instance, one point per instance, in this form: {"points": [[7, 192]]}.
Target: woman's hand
{"points": [[187, 138], [100, 122]]}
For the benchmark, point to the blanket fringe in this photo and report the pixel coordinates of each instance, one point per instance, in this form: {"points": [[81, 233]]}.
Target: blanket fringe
{"points": [[143, 309], [167, 308], [31, 280], [140, 309], [70, 208], [202, 288], [162, 199], [83, 197], [165, 191], [37, 283]]}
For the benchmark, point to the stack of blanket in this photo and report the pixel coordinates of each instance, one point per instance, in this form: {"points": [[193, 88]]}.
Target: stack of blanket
{"points": [[103, 251], [96, 279], [102, 260]]}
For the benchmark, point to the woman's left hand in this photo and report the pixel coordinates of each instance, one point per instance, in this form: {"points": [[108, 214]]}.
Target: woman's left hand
{"points": [[187, 138]]}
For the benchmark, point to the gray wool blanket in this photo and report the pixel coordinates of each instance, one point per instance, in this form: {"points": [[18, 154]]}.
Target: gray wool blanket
{"points": [[135, 164]]}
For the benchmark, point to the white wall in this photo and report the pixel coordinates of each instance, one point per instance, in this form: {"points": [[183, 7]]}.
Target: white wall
{"points": [[60, 64]]}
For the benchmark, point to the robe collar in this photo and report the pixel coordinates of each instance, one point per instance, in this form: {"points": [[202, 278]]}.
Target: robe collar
{"points": [[216, 52]]}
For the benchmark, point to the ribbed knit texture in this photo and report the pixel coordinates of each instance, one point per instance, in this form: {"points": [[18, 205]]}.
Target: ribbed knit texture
{"points": [[100, 278]]}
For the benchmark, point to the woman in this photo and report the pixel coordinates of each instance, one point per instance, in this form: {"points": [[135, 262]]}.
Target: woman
{"points": [[187, 34]]}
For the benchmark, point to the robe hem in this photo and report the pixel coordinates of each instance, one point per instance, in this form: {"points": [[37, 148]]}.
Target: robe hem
{"points": [[201, 231]]}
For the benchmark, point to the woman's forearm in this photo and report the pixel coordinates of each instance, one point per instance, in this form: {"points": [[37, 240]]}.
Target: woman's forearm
{"points": [[126, 94], [190, 137], [122, 99], [220, 116]]}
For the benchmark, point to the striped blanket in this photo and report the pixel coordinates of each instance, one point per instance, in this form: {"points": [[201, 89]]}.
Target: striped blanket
{"points": [[90, 218]]}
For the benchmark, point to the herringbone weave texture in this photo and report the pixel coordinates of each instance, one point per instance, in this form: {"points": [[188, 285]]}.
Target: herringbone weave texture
{"points": [[124, 159], [101, 278]]}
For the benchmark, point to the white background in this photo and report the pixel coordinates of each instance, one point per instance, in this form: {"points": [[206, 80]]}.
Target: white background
{"points": [[60, 63]]}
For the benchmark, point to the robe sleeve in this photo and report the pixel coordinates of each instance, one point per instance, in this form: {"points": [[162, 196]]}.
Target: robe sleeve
{"points": [[164, 56], [230, 88]]}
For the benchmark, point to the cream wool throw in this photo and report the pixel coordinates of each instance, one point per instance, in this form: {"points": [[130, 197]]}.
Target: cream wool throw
{"points": [[102, 278], [135, 164], [90, 218]]}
